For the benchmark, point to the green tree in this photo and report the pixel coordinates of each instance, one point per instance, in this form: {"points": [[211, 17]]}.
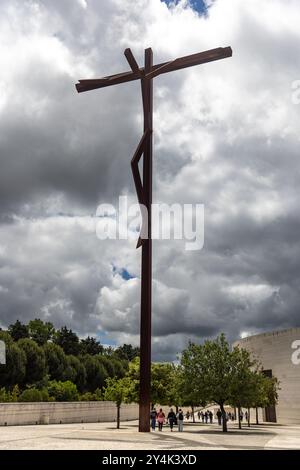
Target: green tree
{"points": [[133, 374], [18, 330], [40, 332], [35, 360], [244, 386], [13, 372], [119, 367], [116, 390], [56, 361], [63, 391], [215, 371], [267, 394], [108, 365], [185, 393], [95, 373], [6, 337], [75, 372], [162, 382], [128, 352], [67, 340], [91, 346]]}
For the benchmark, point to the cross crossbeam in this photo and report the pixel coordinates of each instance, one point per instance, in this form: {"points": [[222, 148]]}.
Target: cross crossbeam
{"points": [[143, 187], [158, 69]]}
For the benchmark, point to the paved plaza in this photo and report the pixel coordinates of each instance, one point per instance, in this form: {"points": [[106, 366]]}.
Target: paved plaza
{"points": [[104, 436]]}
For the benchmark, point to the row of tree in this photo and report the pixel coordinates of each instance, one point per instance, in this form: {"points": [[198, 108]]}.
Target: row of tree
{"points": [[209, 373], [44, 332], [37, 354]]}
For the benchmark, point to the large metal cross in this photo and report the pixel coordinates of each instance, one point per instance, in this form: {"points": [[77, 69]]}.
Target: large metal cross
{"points": [[144, 189]]}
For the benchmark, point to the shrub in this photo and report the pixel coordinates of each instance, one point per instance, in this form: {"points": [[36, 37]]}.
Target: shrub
{"points": [[45, 395], [15, 394], [63, 391], [4, 395], [89, 396], [31, 394]]}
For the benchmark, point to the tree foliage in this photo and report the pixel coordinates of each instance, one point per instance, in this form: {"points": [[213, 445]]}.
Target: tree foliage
{"points": [[214, 373], [95, 372], [91, 346], [67, 340], [56, 361], [76, 372], [35, 360], [14, 371], [117, 390], [40, 331], [63, 391], [127, 352], [18, 330]]}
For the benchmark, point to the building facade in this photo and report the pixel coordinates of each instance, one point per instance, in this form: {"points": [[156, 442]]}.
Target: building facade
{"points": [[279, 354]]}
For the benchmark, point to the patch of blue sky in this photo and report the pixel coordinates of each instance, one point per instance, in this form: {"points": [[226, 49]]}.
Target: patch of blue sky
{"points": [[198, 5], [123, 273]]}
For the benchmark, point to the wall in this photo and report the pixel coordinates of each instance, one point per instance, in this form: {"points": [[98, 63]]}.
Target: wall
{"points": [[274, 350], [64, 412]]}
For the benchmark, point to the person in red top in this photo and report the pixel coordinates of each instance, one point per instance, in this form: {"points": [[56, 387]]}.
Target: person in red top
{"points": [[160, 419]]}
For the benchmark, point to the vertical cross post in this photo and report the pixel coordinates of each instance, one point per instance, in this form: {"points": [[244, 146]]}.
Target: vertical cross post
{"points": [[146, 278], [144, 188]]}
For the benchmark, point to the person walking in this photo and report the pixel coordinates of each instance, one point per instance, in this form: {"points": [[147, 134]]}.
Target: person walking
{"points": [[180, 420], [160, 419], [206, 417], [199, 415], [153, 416], [210, 416], [202, 416], [171, 419], [219, 416]]}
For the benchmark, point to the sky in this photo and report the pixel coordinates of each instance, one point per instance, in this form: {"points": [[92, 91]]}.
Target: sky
{"points": [[226, 135]]}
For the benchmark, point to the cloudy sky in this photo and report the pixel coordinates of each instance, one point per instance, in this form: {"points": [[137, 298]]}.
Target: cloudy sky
{"points": [[226, 135]]}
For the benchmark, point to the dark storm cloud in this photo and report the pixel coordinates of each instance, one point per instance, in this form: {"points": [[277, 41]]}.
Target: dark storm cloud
{"points": [[54, 140]]}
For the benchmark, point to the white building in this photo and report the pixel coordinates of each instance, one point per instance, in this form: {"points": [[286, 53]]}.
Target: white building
{"points": [[279, 354]]}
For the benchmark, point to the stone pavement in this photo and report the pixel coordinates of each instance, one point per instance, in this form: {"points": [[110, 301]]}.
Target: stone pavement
{"points": [[104, 436]]}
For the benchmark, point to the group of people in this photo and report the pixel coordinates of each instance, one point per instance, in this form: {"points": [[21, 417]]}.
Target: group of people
{"points": [[205, 417], [173, 419], [160, 418], [176, 419]]}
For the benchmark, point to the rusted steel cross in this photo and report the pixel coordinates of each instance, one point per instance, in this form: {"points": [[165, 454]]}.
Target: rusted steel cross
{"points": [[144, 189]]}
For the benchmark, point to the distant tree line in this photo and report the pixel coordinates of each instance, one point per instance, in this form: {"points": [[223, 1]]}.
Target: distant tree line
{"points": [[43, 363]]}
